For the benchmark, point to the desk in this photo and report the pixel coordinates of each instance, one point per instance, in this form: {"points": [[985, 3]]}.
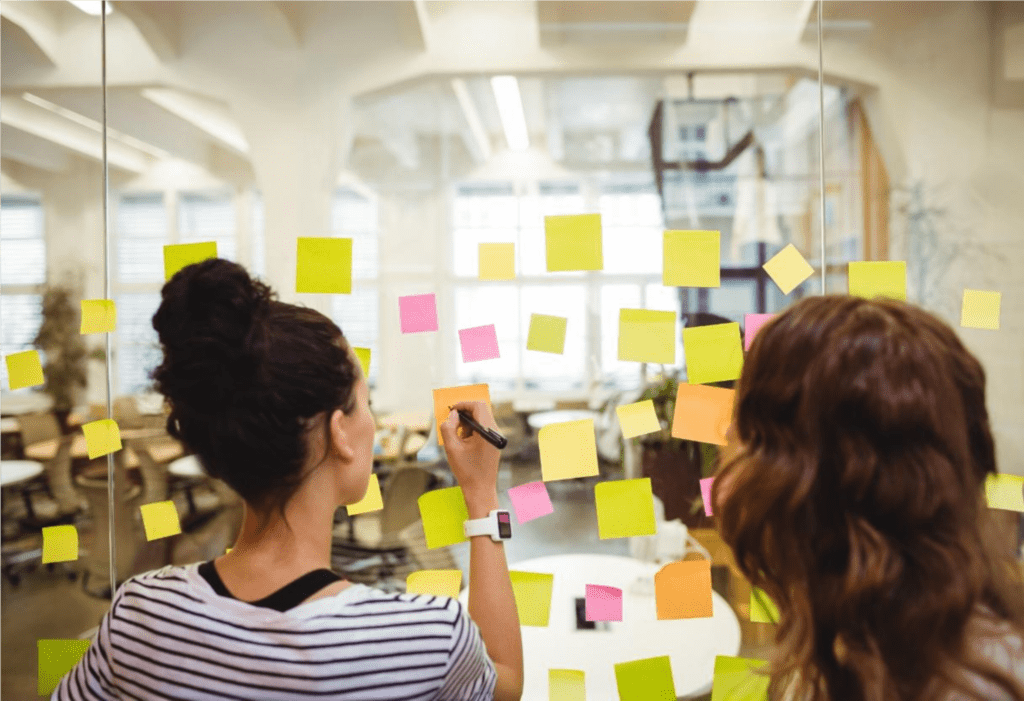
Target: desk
{"points": [[692, 644], [162, 451], [412, 420], [539, 421], [14, 403], [9, 424], [14, 472], [187, 466]]}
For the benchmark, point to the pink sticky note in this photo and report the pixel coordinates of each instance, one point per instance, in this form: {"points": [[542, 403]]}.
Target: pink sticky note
{"points": [[752, 323], [530, 501], [603, 603], [479, 343], [705, 491], [418, 313]]}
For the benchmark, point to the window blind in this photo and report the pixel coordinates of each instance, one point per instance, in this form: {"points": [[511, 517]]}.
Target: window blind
{"points": [[140, 227], [208, 217], [22, 262], [358, 314]]}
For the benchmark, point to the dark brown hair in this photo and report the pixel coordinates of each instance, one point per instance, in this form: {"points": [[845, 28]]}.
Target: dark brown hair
{"points": [[855, 500]]}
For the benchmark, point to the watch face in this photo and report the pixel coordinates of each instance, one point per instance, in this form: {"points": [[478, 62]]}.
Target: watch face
{"points": [[504, 525]]}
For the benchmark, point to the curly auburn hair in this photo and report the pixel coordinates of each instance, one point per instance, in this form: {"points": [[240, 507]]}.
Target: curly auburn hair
{"points": [[853, 495]]}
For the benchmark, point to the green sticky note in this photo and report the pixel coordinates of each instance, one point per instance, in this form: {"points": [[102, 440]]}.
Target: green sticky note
{"points": [[443, 512], [547, 333], [646, 680], [625, 508], [160, 519], [60, 544], [178, 256], [101, 437], [324, 265], [573, 242], [497, 261], [713, 353], [883, 278], [24, 369], [647, 336], [762, 609], [98, 316], [532, 591], [566, 685], [56, 658], [364, 359], [736, 680], [691, 259], [1005, 492], [980, 310]]}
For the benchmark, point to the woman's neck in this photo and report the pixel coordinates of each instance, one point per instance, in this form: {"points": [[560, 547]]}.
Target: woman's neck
{"points": [[272, 544]]}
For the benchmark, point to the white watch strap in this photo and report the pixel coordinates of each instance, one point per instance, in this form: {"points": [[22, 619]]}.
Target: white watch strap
{"points": [[481, 526]]}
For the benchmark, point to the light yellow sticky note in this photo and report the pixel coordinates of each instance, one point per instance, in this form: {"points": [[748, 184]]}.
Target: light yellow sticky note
{"points": [[788, 269], [568, 449], [638, 418], [98, 316], [24, 369], [1005, 492], [691, 259], [497, 261], [625, 508], [60, 544], [55, 659], [980, 310], [647, 336], [443, 512], [364, 359], [102, 437], [324, 265], [885, 278], [573, 242], [436, 582], [371, 501], [566, 685], [737, 679], [178, 256], [547, 333], [713, 353], [762, 609], [532, 591], [646, 680], [160, 519]]}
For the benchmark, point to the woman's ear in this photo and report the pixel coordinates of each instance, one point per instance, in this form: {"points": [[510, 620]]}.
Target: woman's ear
{"points": [[338, 428]]}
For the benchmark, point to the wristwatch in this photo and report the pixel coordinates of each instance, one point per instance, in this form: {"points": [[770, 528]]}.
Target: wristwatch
{"points": [[497, 524]]}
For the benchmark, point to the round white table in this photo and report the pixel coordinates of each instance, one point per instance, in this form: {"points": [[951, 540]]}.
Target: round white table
{"points": [[187, 466], [17, 471], [691, 644], [14, 403], [542, 419]]}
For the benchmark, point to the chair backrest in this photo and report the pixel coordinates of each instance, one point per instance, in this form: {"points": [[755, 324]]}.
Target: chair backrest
{"points": [[58, 478], [401, 500], [155, 479], [126, 412], [38, 427]]}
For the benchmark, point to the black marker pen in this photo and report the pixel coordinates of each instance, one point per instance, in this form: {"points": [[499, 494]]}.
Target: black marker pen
{"points": [[493, 437]]}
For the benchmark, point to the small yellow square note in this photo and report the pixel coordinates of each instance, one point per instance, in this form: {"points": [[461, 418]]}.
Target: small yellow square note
{"points": [[102, 437], [625, 508], [532, 591], [364, 359], [443, 512], [324, 265], [980, 310], [713, 353], [649, 679], [160, 519], [788, 269], [737, 679], [60, 544], [573, 242], [566, 685], [98, 316], [1005, 492], [371, 501], [178, 256], [24, 369], [567, 449], [638, 418], [691, 259], [647, 336], [497, 261], [55, 659], [436, 582], [885, 278], [547, 333]]}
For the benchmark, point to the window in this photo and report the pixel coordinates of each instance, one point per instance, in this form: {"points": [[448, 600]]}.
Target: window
{"points": [[259, 236], [22, 271], [208, 217]]}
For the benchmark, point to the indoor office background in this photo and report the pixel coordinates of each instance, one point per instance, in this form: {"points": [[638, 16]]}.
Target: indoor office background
{"points": [[420, 129]]}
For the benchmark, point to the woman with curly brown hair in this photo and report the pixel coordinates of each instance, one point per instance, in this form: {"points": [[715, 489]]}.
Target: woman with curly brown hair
{"points": [[852, 492]]}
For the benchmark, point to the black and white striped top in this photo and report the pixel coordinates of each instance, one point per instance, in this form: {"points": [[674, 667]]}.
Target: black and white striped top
{"points": [[169, 635]]}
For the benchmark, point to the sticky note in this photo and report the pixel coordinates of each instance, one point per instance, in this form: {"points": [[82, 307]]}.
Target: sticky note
{"points": [[691, 259], [530, 501], [532, 591], [371, 501], [60, 544], [736, 680], [180, 255], [878, 278], [547, 333], [98, 316], [445, 397], [364, 359], [625, 508], [762, 609], [638, 418], [101, 437], [160, 519], [702, 413], [324, 265], [24, 369], [647, 336], [603, 603], [573, 242], [683, 590], [646, 680], [479, 343], [980, 310], [705, 492], [566, 685], [788, 269], [713, 353], [443, 512], [568, 449], [752, 323], [1005, 492], [56, 658], [418, 313], [497, 261], [436, 582]]}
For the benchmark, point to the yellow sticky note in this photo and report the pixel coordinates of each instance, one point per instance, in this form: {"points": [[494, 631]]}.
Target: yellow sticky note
{"points": [[160, 519], [625, 508], [736, 679], [980, 310], [788, 269], [55, 659], [1005, 492], [713, 353], [646, 680], [101, 437], [885, 278], [566, 685], [532, 591], [547, 333], [682, 589], [762, 609], [497, 261], [98, 316], [178, 256], [573, 242], [567, 449], [436, 582], [443, 512], [638, 418], [324, 265], [691, 259], [371, 501], [647, 336], [24, 369], [60, 544], [364, 359]]}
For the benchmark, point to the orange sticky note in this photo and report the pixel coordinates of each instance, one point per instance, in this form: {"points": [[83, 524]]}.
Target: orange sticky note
{"points": [[885, 278], [181, 255], [691, 259], [788, 269], [497, 261], [445, 397], [683, 590], [980, 310], [101, 437], [371, 501], [702, 413], [160, 519], [436, 582], [568, 449], [324, 265], [24, 369], [98, 316], [573, 242]]}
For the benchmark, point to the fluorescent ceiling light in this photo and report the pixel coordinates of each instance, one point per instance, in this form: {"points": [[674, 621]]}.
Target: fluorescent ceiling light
{"points": [[510, 109], [90, 7]]}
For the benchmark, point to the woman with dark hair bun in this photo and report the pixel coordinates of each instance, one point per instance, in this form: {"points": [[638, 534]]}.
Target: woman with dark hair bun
{"points": [[852, 492]]}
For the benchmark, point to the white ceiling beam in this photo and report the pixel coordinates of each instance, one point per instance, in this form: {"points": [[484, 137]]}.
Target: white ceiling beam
{"points": [[25, 148], [279, 23], [37, 23], [803, 18], [424, 23], [157, 25], [476, 138], [211, 117]]}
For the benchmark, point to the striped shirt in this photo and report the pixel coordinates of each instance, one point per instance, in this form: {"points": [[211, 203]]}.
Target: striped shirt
{"points": [[169, 635]]}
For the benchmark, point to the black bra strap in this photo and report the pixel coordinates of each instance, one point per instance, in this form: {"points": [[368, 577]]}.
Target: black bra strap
{"points": [[288, 596]]}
